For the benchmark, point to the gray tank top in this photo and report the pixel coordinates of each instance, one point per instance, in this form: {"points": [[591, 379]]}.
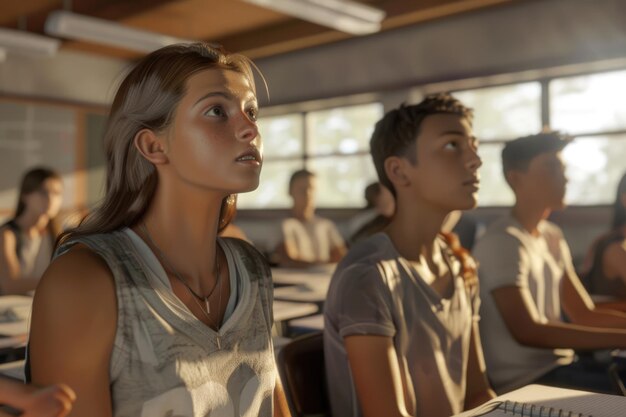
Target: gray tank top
{"points": [[167, 363]]}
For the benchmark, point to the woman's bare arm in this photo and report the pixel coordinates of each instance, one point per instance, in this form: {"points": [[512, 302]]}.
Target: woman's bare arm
{"points": [[73, 329]]}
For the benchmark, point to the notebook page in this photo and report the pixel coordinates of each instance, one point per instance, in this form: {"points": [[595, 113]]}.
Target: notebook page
{"points": [[578, 402]]}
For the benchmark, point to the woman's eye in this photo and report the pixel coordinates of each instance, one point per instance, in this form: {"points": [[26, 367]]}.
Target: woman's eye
{"points": [[253, 114], [451, 145], [215, 111]]}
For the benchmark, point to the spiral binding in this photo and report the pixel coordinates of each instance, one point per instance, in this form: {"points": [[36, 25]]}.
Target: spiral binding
{"points": [[531, 410]]}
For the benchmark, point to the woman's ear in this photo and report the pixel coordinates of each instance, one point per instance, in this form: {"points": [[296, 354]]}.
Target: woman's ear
{"points": [[151, 146], [395, 170]]}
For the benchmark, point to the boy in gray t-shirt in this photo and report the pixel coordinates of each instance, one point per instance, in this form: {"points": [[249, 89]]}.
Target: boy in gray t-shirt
{"points": [[401, 332]]}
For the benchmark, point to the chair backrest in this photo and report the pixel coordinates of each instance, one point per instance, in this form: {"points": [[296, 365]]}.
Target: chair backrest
{"points": [[302, 371]]}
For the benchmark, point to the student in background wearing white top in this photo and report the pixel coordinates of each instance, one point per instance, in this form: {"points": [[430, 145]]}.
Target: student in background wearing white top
{"points": [[27, 240], [52, 401], [528, 283], [145, 311], [307, 239], [401, 318]]}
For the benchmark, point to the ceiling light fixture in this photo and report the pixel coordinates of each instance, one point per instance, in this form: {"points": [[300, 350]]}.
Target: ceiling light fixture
{"points": [[344, 15], [70, 25], [26, 43]]}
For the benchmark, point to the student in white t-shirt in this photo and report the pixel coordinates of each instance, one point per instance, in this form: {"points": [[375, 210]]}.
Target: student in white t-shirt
{"points": [[528, 282], [307, 239], [401, 334]]}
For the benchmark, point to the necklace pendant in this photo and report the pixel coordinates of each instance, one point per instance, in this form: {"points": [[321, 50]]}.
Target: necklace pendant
{"points": [[219, 344], [207, 305]]}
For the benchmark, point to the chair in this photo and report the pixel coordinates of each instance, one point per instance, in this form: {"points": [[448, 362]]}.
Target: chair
{"points": [[301, 368]]}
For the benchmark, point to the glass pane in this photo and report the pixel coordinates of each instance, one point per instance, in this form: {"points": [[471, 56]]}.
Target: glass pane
{"points": [[273, 189], [342, 130], [589, 103], [494, 191], [595, 165], [341, 180], [504, 112], [282, 135]]}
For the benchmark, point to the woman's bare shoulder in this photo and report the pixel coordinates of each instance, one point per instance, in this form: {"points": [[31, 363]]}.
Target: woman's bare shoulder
{"points": [[78, 273]]}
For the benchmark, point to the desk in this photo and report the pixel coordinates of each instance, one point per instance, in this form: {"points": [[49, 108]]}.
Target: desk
{"points": [[310, 323], [14, 315], [302, 293], [289, 276], [14, 319], [285, 310]]}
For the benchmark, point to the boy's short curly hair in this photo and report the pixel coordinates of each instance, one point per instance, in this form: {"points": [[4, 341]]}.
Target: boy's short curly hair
{"points": [[396, 133]]}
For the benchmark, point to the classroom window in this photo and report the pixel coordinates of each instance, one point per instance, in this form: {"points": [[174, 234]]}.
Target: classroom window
{"points": [[342, 180], [595, 165], [333, 143], [504, 112], [500, 113], [589, 103]]}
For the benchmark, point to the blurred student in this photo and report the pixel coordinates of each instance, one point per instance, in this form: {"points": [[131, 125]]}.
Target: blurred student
{"points": [[528, 282], [307, 239], [401, 319], [27, 240], [145, 311], [376, 215], [606, 261], [53, 401]]}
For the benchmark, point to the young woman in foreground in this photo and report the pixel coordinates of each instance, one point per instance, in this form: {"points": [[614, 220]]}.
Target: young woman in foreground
{"points": [[145, 311]]}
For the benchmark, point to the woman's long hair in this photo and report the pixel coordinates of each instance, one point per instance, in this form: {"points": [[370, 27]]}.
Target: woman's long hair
{"points": [[619, 210], [147, 99], [32, 181]]}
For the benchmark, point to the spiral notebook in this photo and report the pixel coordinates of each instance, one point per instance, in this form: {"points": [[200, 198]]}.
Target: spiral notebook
{"points": [[544, 401]]}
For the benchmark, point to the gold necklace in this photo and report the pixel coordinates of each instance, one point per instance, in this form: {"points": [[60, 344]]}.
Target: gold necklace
{"points": [[218, 280]]}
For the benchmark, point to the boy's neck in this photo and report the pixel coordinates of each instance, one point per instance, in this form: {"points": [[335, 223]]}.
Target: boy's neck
{"points": [[303, 214], [413, 235], [529, 216]]}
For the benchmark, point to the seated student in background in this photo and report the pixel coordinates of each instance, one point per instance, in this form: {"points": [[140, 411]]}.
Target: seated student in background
{"points": [[27, 240], [380, 206], [401, 335], [53, 401], [528, 280], [605, 269], [307, 239]]}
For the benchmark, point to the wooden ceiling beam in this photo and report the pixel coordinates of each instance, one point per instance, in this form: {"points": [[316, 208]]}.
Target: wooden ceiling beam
{"points": [[297, 34]]}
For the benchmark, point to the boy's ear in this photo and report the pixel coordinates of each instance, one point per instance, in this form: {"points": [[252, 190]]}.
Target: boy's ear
{"points": [[513, 178], [151, 146], [395, 170]]}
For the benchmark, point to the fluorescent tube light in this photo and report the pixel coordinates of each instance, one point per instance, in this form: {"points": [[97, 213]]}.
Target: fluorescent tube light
{"points": [[3, 54], [86, 28], [26, 43], [344, 15]]}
